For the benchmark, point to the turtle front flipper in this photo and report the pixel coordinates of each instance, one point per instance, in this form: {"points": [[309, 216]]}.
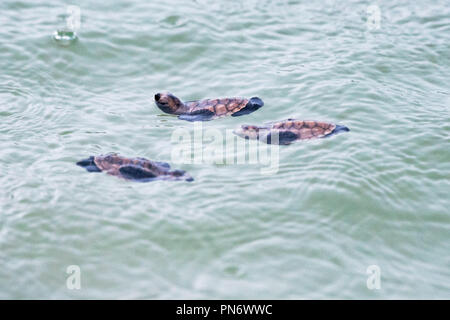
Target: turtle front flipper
{"points": [[180, 174], [134, 172], [252, 105], [281, 137], [89, 164], [198, 115]]}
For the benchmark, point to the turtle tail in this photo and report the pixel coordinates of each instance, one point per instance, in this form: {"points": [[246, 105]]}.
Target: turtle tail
{"points": [[89, 164]]}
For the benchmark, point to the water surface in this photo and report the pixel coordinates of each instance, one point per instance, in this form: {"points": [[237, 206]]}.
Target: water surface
{"points": [[378, 195]]}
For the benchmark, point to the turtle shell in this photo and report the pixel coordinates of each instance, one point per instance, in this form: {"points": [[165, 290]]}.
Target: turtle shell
{"points": [[111, 164], [219, 107], [138, 169], [305, 129]]}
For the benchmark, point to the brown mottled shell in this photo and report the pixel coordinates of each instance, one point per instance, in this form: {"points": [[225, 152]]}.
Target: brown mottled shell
{"points": [[111, 164], [287, 131], [220, 107], [305, 129]]}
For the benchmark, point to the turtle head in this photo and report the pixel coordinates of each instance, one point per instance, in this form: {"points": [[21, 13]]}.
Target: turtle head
{"points": [[248, 131], [168, 103]]}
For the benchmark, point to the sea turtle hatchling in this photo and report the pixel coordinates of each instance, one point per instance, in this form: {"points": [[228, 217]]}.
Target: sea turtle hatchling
{"points": [[137, 169], [207, 109], [290, 130]]}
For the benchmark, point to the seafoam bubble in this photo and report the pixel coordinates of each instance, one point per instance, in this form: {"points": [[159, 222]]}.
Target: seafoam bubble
{"points": [[65, 37]]}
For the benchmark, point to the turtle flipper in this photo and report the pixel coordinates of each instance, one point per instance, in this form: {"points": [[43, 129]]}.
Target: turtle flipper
{"points": [[135, 173], [179, 174], [89, 164], [284, 137], [339, 128], [198, 115], [252, 105]]}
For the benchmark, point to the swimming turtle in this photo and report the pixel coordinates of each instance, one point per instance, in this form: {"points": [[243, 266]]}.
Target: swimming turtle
{"points": [[207, 109], [287, 131], [138, 169]]}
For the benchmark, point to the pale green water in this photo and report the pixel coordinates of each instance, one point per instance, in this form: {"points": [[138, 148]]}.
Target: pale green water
{"points": [[376, 195]]}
